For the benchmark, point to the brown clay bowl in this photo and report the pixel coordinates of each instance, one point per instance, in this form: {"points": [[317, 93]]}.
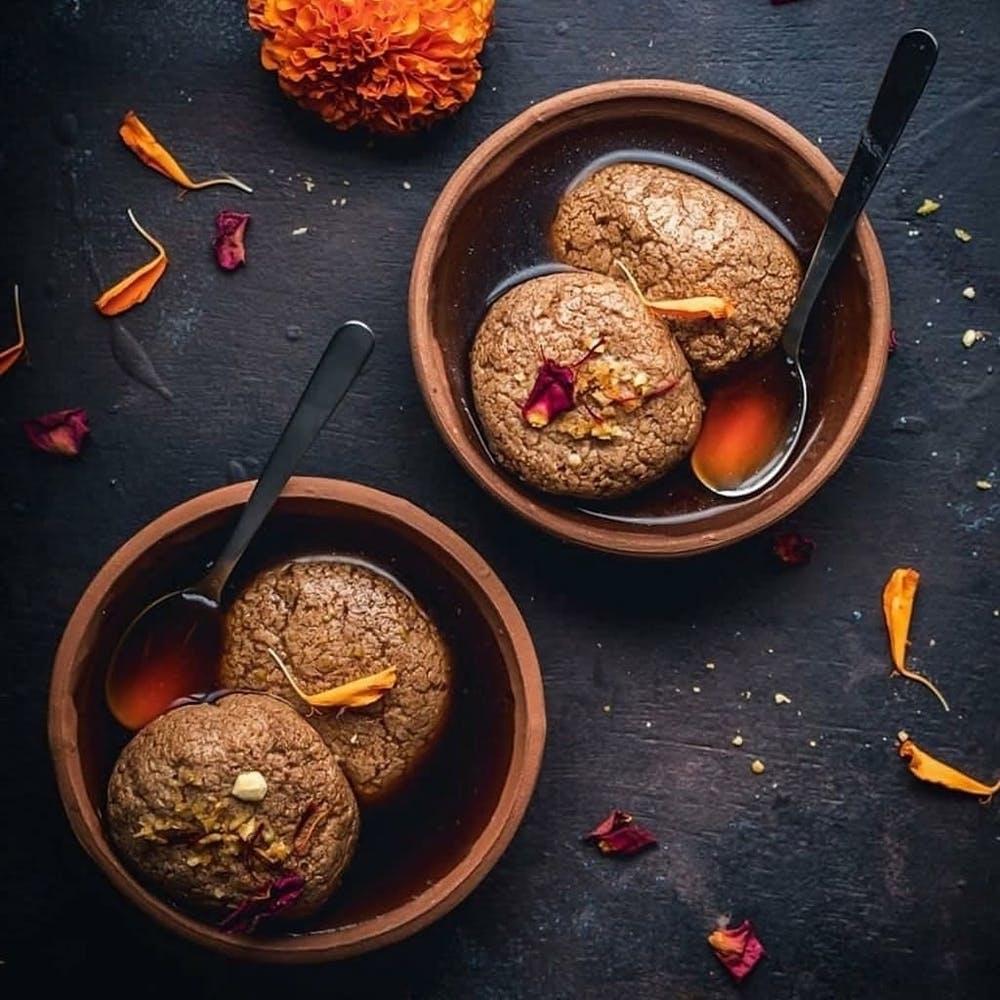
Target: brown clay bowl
{"points": [[491, 221], [420, 856]]}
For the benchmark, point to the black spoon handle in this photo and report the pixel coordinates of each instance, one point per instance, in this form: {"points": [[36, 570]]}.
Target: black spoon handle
{"points": [[342, 360], [903, 83]]}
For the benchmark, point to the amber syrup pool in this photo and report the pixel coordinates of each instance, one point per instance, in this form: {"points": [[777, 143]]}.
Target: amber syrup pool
{"points": [[679, 496], [749, 418], [172, 651]]}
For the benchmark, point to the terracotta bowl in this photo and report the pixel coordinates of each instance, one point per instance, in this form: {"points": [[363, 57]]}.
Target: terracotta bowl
{"points": [[416, 858], [491, 221]]}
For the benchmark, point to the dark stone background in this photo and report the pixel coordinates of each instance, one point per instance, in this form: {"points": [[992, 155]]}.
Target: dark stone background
{"points": [[862, 882]]}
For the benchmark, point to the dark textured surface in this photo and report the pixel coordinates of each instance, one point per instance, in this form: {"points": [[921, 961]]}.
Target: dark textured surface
{"points": [[862, 883]]}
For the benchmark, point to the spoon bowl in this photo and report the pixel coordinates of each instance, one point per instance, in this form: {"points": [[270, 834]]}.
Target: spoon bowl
{"points": [[751, 427], [734, 409], [171, 648]]}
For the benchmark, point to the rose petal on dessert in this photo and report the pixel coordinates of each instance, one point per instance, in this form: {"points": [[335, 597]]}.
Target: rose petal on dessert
{"points": [[272, 898], [552, 393]]}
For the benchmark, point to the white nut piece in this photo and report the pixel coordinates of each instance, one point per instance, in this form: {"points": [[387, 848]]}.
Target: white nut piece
{"points": [[249, 786]]}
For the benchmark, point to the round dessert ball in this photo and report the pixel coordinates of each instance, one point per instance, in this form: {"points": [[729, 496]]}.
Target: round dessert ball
{"points": [[234, 801], [335, 621], [682, 237], [633, 410]]}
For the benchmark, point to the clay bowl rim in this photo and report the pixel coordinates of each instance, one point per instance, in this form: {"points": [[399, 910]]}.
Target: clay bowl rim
{"points": [[485, 589], [489, 159]]}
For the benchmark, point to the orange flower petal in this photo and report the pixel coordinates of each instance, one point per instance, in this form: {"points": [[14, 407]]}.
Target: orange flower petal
{"points": [[699, 307], [135, 287], [9, 356], [144, 144]]}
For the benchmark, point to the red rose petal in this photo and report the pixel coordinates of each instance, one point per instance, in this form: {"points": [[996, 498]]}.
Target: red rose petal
{"points": [[59, 433], [271, 900], [620, 834], [230, 228], [793, 548], [551, 394], [737, 948]]}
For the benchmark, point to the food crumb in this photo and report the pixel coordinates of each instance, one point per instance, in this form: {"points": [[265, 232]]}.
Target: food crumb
{"points": [[913, 232], [782, 699], [969, 292], [902, 736], [709, 666], [812, 743], [308, 183], [696, 689], [300, 231], [347, 184], [971, 337], [407, 185], [928, 206], [983, 484], [606, 708], [343, 201], [757, 766], [963, 234], [649, 725], [354, 739], [737, 740]]}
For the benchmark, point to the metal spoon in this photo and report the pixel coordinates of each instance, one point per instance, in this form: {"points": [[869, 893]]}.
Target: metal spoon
{"points": [[902, 85], [168, 647]]}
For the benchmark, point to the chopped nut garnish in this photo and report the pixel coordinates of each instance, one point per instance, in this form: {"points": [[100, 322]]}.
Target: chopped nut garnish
{"points": [[782, 699], [969, 292], [971, 337], [983, 484], [757, 766], [928, 206], [300, 231], [250, 786], [812, 743], [902, 736], [407, 185], [964, 235], [709, 666], [696, 689], [737, 740], [574, 460]]}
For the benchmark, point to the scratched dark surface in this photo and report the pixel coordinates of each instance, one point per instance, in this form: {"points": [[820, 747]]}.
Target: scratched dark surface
{"points": [[862, 882]]}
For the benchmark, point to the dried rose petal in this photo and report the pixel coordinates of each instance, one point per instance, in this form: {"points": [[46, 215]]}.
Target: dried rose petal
{"points": [[229, 231], [737, 948], [620, 834], [551, 394], [59, 433], [278, 895], [792, 548], [893, 340]]}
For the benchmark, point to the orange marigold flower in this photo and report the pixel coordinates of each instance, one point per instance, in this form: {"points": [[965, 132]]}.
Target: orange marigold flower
{"points": [[390, 65]]}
